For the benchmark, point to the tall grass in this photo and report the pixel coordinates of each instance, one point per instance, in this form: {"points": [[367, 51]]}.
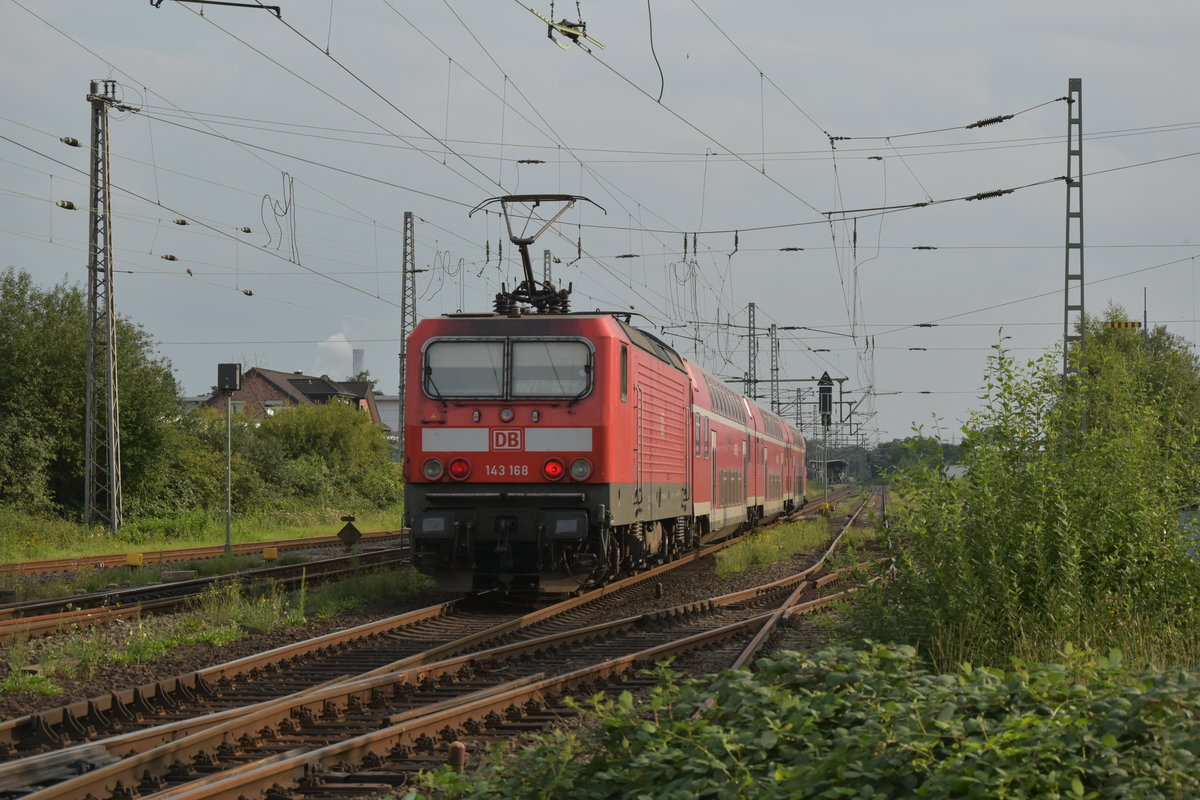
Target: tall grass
{"points": [[772, 545], [330, 599]]}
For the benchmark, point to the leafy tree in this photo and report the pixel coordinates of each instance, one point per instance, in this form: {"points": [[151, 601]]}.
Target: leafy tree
{"points": [[43, 349], [364, 376], [1164, 371], [333, 450]]}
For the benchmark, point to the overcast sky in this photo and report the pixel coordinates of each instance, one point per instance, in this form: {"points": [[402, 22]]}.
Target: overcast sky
{"points": [[319, 129]]}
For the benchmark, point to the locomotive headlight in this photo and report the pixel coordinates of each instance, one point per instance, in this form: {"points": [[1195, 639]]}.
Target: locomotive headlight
{"points": [[581, 469], [432, 469], [554, 469], [506, 415], [460, 468]]}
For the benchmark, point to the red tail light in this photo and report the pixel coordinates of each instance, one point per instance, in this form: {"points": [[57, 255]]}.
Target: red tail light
{"points": [[460, 468], [554, 469]]}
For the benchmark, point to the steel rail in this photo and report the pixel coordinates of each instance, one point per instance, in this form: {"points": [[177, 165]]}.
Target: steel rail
{"points": [[156, 749], [77, 563], [47, 624], [138, 740], [371, 680], [74, 718], [772, 621], [372, 749], [133, 594]]}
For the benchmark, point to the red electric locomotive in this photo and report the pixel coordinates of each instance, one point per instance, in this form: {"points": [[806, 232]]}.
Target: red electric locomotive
{"points": [[551, 451]]}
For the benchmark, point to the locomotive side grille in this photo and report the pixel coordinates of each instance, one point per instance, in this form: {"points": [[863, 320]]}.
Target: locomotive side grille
{"points": [[665, 426]]}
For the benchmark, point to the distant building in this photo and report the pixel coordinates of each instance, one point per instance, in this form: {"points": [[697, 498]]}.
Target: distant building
{"points": [[389, 410], [267, 391]]}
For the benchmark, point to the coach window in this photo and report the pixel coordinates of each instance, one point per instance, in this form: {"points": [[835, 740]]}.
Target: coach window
{"points": [[458, 368], [550, 369], [706, 437]]}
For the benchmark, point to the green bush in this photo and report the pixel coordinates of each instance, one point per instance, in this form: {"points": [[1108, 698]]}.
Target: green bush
{"points": [[1064, 528], [867, 724]]}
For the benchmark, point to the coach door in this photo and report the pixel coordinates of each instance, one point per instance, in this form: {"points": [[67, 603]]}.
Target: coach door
{"points": [[715, 503], [745, 469]]}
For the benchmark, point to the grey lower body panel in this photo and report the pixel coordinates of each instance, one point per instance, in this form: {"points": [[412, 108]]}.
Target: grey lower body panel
{"points": [[515, 537]]}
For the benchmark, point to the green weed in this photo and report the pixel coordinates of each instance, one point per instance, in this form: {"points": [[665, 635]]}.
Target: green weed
{"points": [[331, 599], [771, 545]]}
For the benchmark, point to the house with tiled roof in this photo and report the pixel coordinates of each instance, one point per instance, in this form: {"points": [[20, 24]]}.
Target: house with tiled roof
{"points": [[267, 391]]}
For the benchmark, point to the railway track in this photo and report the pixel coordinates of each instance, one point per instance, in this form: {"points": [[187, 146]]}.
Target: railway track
{"points": [[374, 730], [149, 557], [40, 617]]}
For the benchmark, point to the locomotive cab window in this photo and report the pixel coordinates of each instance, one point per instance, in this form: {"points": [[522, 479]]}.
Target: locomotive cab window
{"points": [[550, 369], [464, 369], [507, 368]]}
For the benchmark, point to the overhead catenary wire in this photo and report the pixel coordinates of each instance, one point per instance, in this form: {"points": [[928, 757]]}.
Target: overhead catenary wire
{"points": [[115, 68], [185, 215], [283, 126], [982, 123]]}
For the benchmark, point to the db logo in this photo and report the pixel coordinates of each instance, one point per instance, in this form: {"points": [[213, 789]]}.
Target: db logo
{"points": [[507, 439]]}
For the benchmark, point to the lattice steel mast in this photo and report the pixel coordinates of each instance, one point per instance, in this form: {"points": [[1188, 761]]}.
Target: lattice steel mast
{"points": [[752, 356], [775, 404], [408, 313], [102, 436], [1073, 308]]}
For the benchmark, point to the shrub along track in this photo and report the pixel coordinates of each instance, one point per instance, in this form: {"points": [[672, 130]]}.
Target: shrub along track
{"points": [[400, 717]]}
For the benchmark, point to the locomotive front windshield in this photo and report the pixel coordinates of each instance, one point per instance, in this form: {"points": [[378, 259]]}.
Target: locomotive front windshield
{"points": [[549, 369], [465, 369], [513, 368]]}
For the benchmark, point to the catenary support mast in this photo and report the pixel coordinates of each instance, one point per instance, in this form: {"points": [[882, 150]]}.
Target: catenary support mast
{"points": [[752, 367], [408, 314], [102, 434], [1073, 308]]}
